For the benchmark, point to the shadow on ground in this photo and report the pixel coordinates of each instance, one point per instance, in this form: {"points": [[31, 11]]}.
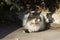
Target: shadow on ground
{"points": [[6, 28]]}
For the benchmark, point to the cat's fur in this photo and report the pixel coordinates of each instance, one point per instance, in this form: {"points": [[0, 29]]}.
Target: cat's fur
{"points": [[30, 24]]}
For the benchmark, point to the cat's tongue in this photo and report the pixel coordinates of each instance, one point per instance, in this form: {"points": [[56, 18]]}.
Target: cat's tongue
{"points": [[37, 20]]}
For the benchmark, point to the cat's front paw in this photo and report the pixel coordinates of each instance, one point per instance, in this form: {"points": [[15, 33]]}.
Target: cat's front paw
{"points": [[26, 31]]}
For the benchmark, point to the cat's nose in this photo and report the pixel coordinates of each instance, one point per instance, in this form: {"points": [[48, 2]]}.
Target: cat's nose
{"points": [[37, 20]]}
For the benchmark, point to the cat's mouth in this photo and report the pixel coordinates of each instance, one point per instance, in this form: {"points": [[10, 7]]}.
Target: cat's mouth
{"points": [[35, 21]]}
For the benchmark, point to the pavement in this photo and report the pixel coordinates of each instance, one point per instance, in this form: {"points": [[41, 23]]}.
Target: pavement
{"points": [[44, 35]]}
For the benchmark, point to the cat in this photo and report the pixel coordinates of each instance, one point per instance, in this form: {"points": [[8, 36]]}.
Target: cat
{"points": [[33, 22]]}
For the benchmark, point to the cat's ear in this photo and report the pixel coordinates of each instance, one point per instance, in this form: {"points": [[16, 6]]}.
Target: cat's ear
{"points": [[38, 9]]}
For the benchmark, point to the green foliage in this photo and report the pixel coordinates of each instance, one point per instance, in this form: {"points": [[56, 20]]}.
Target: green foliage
{"points": [[21, 4]]}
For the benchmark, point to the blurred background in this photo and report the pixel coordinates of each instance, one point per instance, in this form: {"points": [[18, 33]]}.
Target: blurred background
{"points": [[12, 10]]}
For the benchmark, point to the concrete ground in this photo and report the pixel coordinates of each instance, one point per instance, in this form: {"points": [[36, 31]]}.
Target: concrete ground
{"points": [[44, 35]]}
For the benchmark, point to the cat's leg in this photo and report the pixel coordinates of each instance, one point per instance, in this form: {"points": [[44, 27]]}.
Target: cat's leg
{"points": [[30, 31], [27, 31]]}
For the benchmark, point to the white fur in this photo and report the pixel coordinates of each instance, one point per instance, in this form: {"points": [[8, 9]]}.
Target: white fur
{"points": [[44, 14], [31, 26], [25, 19]]}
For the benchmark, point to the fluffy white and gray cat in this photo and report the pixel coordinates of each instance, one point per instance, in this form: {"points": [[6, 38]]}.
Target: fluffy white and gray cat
{"points": [[33, 22]]}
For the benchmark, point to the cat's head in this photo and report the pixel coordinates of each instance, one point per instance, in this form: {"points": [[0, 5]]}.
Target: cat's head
{"points": [[34, 17]]}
